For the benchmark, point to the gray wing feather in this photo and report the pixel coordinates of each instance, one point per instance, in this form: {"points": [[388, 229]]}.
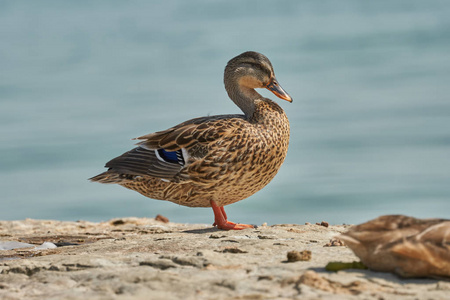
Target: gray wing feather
{"points": [[141, 161]]}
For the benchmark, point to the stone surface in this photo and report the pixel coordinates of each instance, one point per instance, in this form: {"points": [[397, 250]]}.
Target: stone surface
{"points": [[146, 259]]}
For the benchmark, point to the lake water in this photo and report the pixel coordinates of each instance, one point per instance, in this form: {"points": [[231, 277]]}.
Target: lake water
{"points": [[370, 121]]}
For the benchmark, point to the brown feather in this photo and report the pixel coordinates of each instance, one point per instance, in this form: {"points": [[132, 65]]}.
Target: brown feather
{"points": [[407, 246], [227, 158]]}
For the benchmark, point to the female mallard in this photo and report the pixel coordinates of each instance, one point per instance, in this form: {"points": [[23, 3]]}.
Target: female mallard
{"points": [[217, 160], [404, 245]]}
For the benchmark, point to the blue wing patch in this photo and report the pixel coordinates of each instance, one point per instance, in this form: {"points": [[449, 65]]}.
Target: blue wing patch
{"points": [[175, 157]]}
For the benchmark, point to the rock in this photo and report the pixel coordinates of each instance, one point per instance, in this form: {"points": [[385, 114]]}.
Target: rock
{"points": [[304, 255], [161, 219], [323, 223], [133, 258], [232, 250], [334, 243]]}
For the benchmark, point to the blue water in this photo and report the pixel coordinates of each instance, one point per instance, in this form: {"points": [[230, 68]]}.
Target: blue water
{"points": [[370, 122]]}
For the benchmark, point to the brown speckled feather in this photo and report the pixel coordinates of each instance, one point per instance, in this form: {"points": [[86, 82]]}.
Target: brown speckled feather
{"points": [[200, 130], [223, 158], [405, 245]]}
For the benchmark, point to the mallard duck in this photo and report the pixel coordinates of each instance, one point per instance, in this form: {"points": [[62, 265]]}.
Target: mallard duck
{"points": [[216, 160], [403, 245]]}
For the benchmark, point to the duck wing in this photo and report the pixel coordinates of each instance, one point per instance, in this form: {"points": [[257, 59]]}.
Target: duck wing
{"points": [[164, 154]]}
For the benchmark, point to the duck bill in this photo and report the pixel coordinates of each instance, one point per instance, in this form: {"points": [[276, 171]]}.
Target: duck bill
{"points": [[276, 88]]}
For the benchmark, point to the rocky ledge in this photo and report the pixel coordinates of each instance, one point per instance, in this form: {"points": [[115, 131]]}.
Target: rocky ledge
{"points": [[153, 259]]}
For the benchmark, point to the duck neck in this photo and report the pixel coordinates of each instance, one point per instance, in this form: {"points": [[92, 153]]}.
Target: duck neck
{"points": [[244, 97]]}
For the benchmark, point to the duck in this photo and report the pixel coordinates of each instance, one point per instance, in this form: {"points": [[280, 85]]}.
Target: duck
{"points": [[213, 161], [404, 245]]}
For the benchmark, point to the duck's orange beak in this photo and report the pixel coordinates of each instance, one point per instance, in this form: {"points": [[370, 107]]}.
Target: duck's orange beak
{"points": [[276, 88]]}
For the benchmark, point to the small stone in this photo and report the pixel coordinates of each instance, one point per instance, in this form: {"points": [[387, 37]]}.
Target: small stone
{"points": [[304, 255], [216, 236], [265, 277], [323, 223], [266, 237], [279, 244], [334, 243], [117, 222], [161, 218], [232, 250]]}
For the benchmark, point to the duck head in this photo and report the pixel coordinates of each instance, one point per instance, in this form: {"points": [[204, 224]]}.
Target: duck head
{"points": [[246, 72]]}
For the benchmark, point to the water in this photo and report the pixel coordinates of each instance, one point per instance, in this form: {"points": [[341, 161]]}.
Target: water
{"points": [[370, 122]]}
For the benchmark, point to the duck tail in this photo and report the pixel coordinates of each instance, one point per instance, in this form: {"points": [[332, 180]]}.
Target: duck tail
{"points": [[108, 177]]}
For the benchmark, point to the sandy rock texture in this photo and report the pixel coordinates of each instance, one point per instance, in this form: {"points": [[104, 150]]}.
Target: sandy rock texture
{"points": [[149, 259]]}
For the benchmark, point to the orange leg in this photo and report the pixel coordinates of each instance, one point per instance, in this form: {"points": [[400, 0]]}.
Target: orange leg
{"points": [[220, 219]]}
